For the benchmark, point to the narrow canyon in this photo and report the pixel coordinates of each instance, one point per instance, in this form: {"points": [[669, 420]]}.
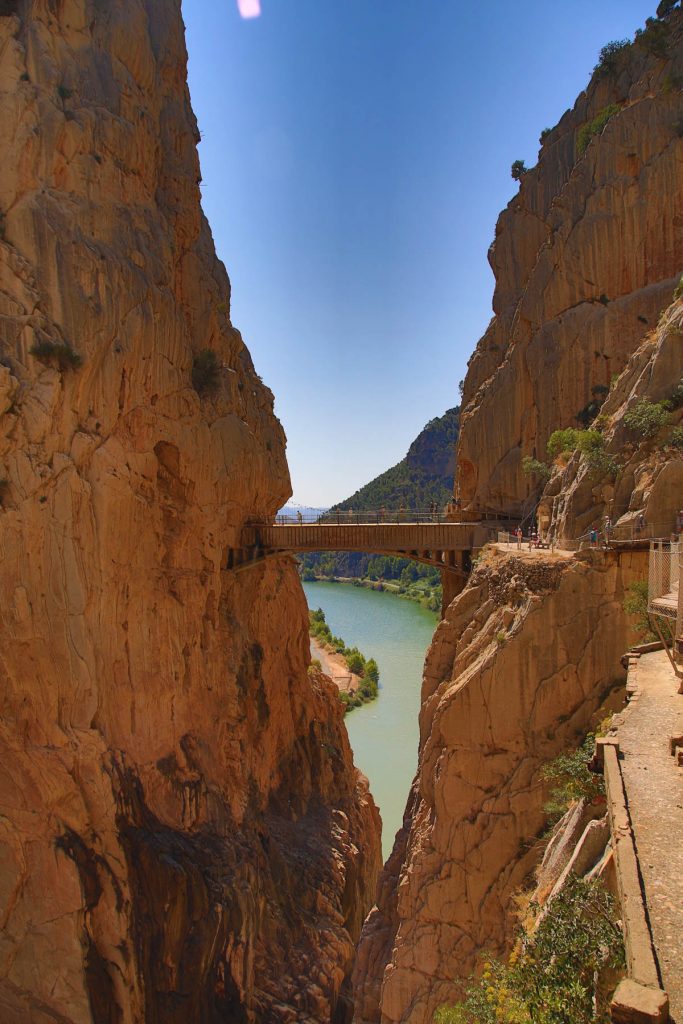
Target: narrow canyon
{"points": [[184, 838]]}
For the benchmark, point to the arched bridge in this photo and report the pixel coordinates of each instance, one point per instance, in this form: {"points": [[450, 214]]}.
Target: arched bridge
{"points": [[430, 538]]}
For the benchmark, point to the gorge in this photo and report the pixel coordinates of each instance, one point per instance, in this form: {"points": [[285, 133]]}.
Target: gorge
{"points": [[184, 836]]}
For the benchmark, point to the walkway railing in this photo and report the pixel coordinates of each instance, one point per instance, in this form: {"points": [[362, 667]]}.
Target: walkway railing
{"points": [[664, 579], [381, 515]]}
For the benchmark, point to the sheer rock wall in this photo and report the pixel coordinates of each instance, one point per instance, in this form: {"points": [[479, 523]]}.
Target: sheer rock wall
{"points": [[585, 257], [649, 481], [182, 833], [519, 665]]}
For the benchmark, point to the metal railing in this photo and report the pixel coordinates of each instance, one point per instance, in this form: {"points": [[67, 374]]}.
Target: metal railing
{"points": [[382, 515], [664, 579], [634, 532]]}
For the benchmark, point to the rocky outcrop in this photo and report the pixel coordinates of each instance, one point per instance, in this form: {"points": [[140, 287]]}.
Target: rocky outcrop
{"points": [[585, 257], [644, 491], [519, 665], [183, 835]]}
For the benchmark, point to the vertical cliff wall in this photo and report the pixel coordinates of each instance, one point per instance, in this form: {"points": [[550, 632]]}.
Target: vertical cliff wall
{"points": [[645, 493], [520, 663], [585, 258], [182, 834]]}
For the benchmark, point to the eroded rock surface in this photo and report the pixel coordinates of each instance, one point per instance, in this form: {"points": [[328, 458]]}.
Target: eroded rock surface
{"points": [[646, 493], [586, 257], [182, 834], [522, 660]]}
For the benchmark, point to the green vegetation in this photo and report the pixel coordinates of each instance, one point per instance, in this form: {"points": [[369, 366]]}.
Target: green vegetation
{"points": [[60, 353], [206, 371], [648, 418], [572, 780], [417, 582], [594, 127], [518, 169], [654, 38], [612, 57], [676, 398], [602, 464], [635, 603], [544, 135], [532, 467], [565, 442], [63, 92], [591, 444], [675, 439], [678, 290], [424, 476], [366, 668], [554, 974]]}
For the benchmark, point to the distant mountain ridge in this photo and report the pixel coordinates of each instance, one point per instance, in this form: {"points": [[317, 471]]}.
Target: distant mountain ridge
{"points": [[425, 474]]}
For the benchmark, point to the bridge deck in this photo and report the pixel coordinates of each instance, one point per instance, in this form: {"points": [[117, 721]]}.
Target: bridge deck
{"points": [[371, 537]]}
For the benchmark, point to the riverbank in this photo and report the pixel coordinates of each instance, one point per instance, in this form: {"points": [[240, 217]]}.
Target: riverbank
{"points": [[334, 665], [422, 591], [356, 677]]}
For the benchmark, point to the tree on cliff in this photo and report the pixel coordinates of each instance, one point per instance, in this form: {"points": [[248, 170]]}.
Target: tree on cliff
{"points": [[518, 169]]}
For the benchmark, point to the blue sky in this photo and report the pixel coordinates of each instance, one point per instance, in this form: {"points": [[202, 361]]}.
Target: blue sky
{"points": [[355, 155]]}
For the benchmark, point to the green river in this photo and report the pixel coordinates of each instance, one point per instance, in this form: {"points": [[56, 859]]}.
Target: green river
{"points": [[384, 734]]}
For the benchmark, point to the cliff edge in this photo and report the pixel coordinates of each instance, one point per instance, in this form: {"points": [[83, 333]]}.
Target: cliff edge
{"points": [[586, 256], [183, 835]]}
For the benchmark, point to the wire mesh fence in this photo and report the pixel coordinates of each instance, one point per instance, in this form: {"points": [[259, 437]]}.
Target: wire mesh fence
{"points": [[664, 579]]}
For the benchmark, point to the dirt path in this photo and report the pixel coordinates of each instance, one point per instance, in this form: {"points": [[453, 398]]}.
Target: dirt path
{"points": [[334, 666], [654, 789]]}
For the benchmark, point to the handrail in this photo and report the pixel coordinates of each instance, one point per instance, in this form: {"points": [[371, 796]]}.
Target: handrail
{"points": [[374, 516]]}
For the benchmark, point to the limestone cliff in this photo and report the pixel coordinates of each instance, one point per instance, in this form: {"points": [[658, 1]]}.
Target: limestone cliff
{"points": [[645, 489], [522, 660], [182, 834], [585, 258]]}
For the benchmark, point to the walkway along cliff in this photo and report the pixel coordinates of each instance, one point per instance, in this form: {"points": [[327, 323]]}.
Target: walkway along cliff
{"points": [[587, 258], [183, 836]]}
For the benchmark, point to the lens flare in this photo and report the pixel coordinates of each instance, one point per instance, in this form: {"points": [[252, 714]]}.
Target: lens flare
{"points": [[249, 8]]}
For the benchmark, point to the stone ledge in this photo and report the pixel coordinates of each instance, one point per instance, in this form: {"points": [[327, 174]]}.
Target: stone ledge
{"points": [[640, 959], [634, 1003]]}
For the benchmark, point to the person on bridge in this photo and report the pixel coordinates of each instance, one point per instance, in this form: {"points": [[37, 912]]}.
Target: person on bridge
{"points": [[299, 517], [402, 510], [518, 535], [608, 530]]}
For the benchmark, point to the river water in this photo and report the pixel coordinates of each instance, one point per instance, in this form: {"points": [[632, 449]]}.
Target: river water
{"points": [[384, 734]]}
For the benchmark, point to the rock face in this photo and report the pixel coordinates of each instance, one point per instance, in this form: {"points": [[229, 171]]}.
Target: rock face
{"points": [[183, 836], [585, 258], [646, 493], [519, 665]]}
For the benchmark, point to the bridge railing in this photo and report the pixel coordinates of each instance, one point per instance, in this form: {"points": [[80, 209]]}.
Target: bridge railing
{"points": [[374, 516]]}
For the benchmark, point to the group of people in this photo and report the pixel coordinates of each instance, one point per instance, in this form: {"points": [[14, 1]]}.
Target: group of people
{"points": [[535, 540]]}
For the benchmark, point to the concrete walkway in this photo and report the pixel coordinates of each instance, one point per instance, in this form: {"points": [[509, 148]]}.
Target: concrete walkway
{"points": [[654, 790]]}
